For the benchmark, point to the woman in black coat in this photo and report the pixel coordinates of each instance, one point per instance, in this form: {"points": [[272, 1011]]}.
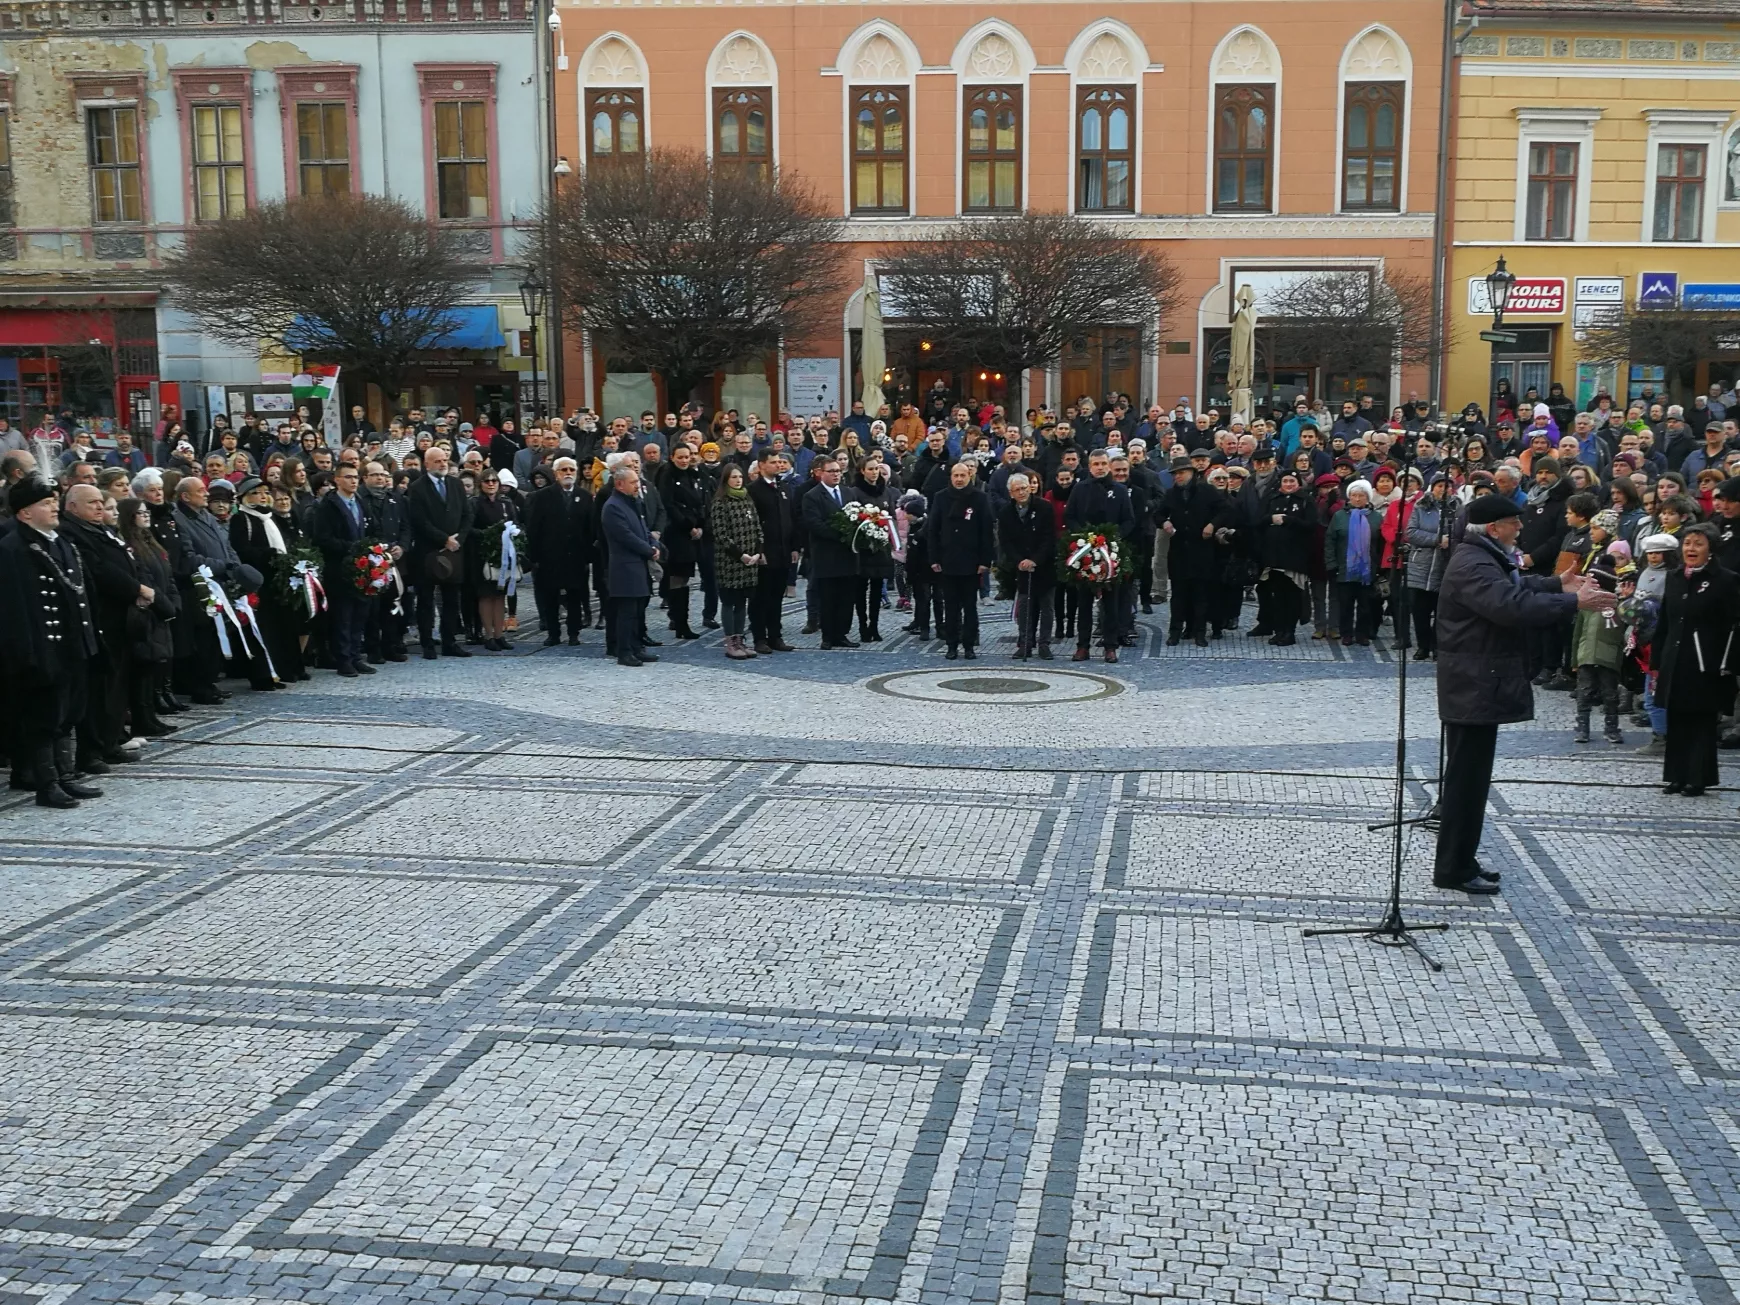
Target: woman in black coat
{"points": [[875, 569], [493, 511], [958, 536], [258, 541], [1695, 661], [1290, 528], [151, 641]]}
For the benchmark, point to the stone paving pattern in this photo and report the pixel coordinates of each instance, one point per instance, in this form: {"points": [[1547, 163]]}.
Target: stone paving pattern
{"points": [[529, 978]]}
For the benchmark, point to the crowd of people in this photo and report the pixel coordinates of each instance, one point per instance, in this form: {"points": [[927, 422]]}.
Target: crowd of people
{"points": [[134, 580]]}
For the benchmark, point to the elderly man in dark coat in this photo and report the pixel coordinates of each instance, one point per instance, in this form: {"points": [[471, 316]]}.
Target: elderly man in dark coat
{"points": [[1027, 549], [630, 549], [559, 543], [440, 519], [833, 565], [1098, 500], [1486, 612]]}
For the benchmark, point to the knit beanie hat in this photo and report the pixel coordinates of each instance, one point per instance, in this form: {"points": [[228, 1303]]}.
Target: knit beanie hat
{"points": [[1607, 519]]}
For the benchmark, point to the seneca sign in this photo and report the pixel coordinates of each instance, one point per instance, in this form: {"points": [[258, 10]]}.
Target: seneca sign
{"points": [[1531, 296]]}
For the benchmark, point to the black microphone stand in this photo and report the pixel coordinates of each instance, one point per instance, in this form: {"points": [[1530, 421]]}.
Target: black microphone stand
{"points": [[1394, 930]]}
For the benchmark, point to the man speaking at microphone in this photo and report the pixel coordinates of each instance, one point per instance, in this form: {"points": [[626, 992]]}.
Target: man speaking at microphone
{"points": [[1485, 609]]}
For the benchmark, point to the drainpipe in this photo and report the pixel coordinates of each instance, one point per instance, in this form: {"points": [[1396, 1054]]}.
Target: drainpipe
{"points": [[1440, 209]]}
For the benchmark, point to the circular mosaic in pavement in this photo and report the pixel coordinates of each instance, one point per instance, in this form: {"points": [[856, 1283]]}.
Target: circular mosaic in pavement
{"points": [[991, 686]]}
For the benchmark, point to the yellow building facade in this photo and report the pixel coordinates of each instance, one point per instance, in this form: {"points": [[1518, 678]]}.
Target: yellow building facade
{"points": [[1599, 153]]}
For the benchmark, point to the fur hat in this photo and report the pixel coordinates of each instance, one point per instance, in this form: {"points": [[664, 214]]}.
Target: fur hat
{"points": [[27, 493]]}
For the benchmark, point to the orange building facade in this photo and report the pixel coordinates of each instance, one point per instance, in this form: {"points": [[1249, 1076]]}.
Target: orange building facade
{"points": [[1253, 143]]}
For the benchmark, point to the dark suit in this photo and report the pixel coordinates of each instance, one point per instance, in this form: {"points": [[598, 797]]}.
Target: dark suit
{"points": [[112, 591], [336, 528], [833, 566], [959, 536], [779, 541], [435, 518], [559, 543]]}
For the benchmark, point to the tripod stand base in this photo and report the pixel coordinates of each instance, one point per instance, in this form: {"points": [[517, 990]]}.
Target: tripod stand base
{"points": [[1391, 931]]}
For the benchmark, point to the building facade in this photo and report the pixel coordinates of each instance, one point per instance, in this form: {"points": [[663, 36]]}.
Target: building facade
{"points": [[1598, 151], [1252, 145], [125, 124]]}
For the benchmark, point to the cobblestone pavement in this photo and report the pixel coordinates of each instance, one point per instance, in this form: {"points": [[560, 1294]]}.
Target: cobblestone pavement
{"points": [[860, 976]]}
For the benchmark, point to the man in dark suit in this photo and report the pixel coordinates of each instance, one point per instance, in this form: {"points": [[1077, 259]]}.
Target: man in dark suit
{"points": [[112, 590], [778, 542], [1098, 500], [337, 525], [833, 566], [630, 547], [440, 519], [559, 536]]}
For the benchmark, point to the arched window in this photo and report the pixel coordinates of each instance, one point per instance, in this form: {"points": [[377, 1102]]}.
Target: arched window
{"points": [[742, 139], [1371, 154], [991, 161], [879, 149], [1104, 149], [1243, 147], [615, 103]]}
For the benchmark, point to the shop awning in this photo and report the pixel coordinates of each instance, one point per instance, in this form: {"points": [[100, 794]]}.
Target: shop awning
{"points": [[475, 326]]}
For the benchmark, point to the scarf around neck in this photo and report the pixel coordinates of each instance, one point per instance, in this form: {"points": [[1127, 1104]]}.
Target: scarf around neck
{"points": [[274, 537], [1357, 563]]}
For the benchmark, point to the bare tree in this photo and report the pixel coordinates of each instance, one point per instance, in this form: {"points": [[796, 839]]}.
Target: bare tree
{"points": [[1350, 323], [1674, 338], [358, 280], [683, 267], [1015, 292]]}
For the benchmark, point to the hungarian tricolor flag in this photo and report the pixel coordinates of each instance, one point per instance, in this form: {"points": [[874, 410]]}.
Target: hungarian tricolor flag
{"points": [[315, 381]]}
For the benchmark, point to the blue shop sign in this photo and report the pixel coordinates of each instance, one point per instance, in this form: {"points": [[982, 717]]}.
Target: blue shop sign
{"points": [[1658, 289], [1710, 294]]}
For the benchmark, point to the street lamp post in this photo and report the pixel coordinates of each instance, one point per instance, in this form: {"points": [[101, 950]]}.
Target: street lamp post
{"points": [[1498, 285], [532, 295]]}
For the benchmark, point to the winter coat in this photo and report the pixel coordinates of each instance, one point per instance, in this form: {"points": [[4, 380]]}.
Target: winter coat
{"points": [[1543, 527], [111, 583], [685, 498], [1190, 507], [1696, 652], [559, 533], [1028, 533], [1287, 546], [1335, 541], [778, 529], [873, 562], [958, 530], [1101, 503], [831, 558], [1485, 610], [1428, 523], [629, 548], [151, 629], [736, 530]]}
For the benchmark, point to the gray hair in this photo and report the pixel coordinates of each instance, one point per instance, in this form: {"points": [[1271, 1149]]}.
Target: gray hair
{"points": [[557, 464], [1018, 476], [622, 471], [146, 479], [614, 462], [186, 484]]}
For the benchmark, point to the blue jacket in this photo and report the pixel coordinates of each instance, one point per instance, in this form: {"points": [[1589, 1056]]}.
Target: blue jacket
{"points": [[628, 547]]}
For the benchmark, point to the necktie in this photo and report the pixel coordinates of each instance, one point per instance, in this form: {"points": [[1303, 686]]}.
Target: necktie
{"points": [[836, 493], [441, 487]]}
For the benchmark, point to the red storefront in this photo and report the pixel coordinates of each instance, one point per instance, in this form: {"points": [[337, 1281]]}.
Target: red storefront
{"points": [[95, 355]]}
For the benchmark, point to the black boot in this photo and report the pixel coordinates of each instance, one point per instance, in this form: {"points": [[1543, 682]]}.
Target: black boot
{"points": [[49, 790], [65, 769]]}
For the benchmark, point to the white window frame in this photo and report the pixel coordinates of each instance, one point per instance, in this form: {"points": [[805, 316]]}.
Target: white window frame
{"points": [[1022, 75], [1406, 78], [1139, 65], [642, 83], [1558, 125], [1704, 127]]}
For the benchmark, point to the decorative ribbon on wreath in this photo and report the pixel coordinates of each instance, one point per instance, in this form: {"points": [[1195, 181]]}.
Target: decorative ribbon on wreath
{"points": [[219, 606], [397, 582], [510, 562], [306, 577], [251, 621], [1100, 552]]}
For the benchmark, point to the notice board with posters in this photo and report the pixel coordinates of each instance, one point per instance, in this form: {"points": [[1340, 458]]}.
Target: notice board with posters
{"points": [[812, 386]]}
